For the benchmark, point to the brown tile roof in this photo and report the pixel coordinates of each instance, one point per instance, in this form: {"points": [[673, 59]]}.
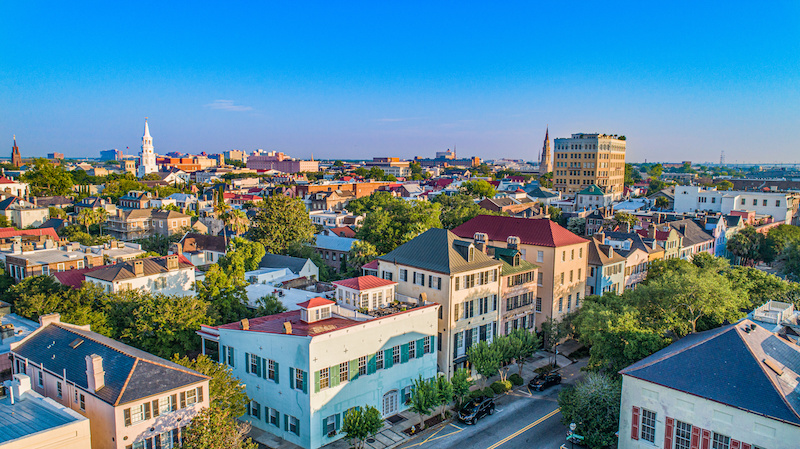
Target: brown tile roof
{"points": [[124, 270], [531, 231], [193, 242]]}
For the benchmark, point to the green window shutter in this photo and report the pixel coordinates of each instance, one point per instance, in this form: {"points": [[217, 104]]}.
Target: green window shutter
{"points": [[259, 366], [325, 425], [305, 382], [338, 421], [286, 422], [420, 347], [291, 377], [247, 363], [404, 353], [371, 364], [232, 353], [222, 354], [264, 372], [387, 358], [277, 373], [334, 373], [433, 342], [316, 381], [353, 369]]}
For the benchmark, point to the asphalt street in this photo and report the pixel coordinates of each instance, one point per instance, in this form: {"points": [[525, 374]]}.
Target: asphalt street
{"points": [[522, 420]]}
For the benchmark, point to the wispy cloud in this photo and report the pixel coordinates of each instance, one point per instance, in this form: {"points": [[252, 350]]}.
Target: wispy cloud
{"points": [[398, 119], [227, 105]]}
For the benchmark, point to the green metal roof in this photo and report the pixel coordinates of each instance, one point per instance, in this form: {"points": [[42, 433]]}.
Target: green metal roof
{"points": [[441, 251], [592, 190]]}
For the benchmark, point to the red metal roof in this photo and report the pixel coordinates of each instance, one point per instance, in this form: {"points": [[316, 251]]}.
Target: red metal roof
{"points": [[344, 231], [11, 232], [531, 231], [364, 282], [371, 265], [74, 278], [315, 302], [4, 180]]}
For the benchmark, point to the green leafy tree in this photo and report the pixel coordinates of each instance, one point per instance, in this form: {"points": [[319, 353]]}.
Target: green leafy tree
{"points": [[461, 382], [656, 171], [47, 179], [679, 298], [86, 217], [391, 221], [56, 212], [166, 325], [360, 424], [556, 215], [662, 202], [245, 252], [444, 394], [281, 221], [269, 305], [777, 239], [423, 398], [625, 220], [302, 251], [523, 344], [237, 221], [632, 175], [478, 189], [459, 209], [747, 245], [761, 287], [226, 391], [215, 428], [790, 262], [724, 185], [656, 185], [485, 360], [225, 293], [594, 405], [576, 225], [546, 180], [361, 253], [338, 164]]}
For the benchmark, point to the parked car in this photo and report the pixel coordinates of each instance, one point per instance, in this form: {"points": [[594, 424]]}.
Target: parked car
{"points": [[476, 408], [542, 381]]}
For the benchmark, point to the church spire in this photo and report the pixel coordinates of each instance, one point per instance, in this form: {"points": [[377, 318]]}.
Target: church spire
{"points": [[146, 129]]}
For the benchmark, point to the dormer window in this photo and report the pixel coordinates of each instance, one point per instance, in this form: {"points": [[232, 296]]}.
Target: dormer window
{"points": [[471, 254], [516, 259], [322, 313]]}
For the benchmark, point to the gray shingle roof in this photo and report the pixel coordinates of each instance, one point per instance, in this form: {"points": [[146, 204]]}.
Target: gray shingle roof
{"points": [[726, 365], [693, 234], [130, 374], [125, 270], [294, 264], [439, 250]]}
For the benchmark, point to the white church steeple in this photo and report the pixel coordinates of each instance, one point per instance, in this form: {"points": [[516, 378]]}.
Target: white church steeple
{"points": [[147, 157]]}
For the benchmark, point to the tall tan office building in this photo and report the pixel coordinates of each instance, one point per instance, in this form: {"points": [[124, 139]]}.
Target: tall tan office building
{"points": [[586, 159]]}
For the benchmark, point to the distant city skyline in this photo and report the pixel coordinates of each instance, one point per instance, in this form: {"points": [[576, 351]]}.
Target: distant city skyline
{"points": [[683, 81]]}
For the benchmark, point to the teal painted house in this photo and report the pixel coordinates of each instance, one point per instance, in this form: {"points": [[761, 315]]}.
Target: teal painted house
{"points": [[304, 369]]}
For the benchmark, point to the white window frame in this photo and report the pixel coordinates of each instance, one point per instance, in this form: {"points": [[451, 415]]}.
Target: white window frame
{"points": [[165, 405], [324, 378], [137, 414], [648, 426], [191, 397], [362, 365]]}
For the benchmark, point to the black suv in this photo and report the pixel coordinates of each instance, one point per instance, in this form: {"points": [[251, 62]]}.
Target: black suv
{"points": [[476, 408], [543, 381]]}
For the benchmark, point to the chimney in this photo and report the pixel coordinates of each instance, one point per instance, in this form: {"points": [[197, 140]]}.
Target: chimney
{"points": [[245, 324], [480, 241], [176, 248], [95, 376], [21, 384], [287, 327], [44, 320], [512, 242], [172, 262], [138, 268], [651, 232]]}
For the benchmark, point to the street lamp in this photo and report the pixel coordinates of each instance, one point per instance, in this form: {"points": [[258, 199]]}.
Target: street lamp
{"points": [[572, 427]]}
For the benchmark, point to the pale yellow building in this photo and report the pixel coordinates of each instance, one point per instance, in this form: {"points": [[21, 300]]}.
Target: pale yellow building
{"points": [[586, 159]]}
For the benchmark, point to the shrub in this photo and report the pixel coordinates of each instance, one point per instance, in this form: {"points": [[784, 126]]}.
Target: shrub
{"points": [[506, 385], [516, 379], [498, 387], [476, 393], [545, 369], [488, 392]]}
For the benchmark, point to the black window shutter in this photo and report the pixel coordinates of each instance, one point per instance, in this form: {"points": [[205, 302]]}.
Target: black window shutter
{"points": [[174, 402], [200, 394], [183, 399], [157, 440], [146, 410], [127, 413], [155, 408]]}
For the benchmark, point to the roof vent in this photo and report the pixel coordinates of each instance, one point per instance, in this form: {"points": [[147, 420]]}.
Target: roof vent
{"points": [[75, 343]]}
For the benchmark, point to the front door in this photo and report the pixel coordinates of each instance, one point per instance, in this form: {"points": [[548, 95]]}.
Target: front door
{"points": [[390, 403]]}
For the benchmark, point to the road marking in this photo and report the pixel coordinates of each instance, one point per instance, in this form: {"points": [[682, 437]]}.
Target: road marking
{"points": [[525, 429], [431, 438]]}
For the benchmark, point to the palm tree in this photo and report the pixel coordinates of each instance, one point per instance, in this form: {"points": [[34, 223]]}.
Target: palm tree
{"points": [[237, 220], [221, 209], [100, 215], [86, 217]]}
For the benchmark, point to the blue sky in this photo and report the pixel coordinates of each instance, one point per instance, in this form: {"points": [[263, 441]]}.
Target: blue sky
{"points": [[682, 80]]}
